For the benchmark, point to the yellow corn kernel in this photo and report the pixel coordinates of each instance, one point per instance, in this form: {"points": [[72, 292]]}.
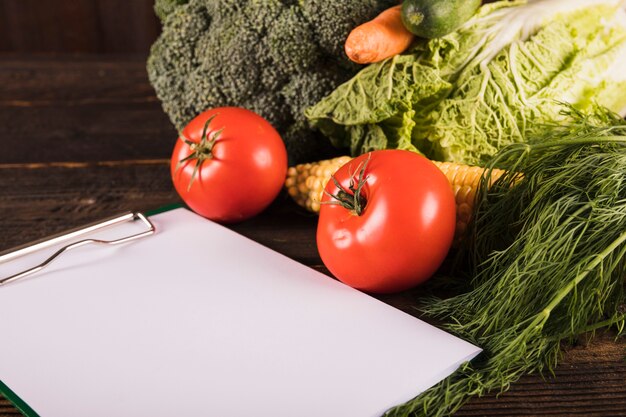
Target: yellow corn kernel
{"points": [[306, 183]]}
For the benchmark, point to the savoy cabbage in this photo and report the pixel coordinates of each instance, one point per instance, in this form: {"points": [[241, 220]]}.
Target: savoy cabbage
{"points": [[494, 81]]}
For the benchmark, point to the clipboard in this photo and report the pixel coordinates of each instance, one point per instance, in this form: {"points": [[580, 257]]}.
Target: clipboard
{"points": [[257, 333]]}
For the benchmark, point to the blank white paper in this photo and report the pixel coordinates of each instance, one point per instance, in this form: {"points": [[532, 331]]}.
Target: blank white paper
{"points": [[200, 321]]}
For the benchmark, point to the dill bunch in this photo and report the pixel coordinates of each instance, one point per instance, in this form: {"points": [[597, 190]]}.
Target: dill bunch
{"points": [[547, 257]]}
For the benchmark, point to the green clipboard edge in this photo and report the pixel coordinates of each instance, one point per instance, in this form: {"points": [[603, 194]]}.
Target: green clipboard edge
{"points": [[17, 401], [13, 398], [163, 209]]}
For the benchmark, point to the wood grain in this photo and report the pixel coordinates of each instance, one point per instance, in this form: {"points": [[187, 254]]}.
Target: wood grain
{"points": [[83, 138], [80, 109], [77, 26]]}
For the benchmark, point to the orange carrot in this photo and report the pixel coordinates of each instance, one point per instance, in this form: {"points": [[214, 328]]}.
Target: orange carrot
{"points": [[380, 38]]}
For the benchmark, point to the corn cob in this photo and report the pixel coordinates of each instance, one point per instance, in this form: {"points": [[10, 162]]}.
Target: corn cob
{"points": [[305, 183]]}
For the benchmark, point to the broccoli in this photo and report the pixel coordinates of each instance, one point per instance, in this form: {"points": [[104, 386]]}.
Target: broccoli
{"points": [[275, 57], [164, 7]]}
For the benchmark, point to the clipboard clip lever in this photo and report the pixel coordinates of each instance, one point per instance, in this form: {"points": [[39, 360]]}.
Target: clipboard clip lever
{"points": [[73, 234]]}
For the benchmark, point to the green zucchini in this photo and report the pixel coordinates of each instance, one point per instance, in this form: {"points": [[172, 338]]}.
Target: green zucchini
{"points": [[436, 18]]}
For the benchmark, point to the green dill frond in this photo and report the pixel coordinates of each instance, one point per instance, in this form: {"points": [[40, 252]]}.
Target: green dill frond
{"points": [[548, 255]]}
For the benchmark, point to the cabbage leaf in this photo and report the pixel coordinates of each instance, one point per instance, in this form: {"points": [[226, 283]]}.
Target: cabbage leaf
{"points": [[495, 81]]}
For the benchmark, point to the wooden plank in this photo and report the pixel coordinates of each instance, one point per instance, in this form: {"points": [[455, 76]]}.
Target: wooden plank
{"points": [[90, 132], [7, 409], [80, 109], [126, 26], [5, 44], [70, 81], [38, 202], [77, 26], [588, 382], [36, 26]]}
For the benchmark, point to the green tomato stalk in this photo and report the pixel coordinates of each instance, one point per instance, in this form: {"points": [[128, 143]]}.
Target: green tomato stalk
{"points": [[352, 198], [200, 151]]}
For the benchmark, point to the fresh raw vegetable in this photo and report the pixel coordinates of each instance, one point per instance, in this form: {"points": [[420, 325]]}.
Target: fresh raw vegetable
{"points": [[435, 18], [495, 81], [164, 7], [274, 57], [305, 183], [228, 164], [548, 256], [386, 222], [380, 38]]}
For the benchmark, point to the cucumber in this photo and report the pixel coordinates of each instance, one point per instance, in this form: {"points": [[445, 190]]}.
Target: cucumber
{"points": [[436, 18]]}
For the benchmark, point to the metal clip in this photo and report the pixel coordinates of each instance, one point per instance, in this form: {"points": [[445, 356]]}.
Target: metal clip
{"points": [[51, 241]]}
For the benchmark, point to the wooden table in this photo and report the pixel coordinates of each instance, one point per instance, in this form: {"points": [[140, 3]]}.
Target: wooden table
{"points": [[85, 137]]}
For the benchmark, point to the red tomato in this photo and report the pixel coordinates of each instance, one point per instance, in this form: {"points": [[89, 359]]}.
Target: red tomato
{"points": [[404, 230], [229, 164]]}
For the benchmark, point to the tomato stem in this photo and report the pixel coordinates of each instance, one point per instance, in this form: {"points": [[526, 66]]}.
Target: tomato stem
{"points": [[351, 198], [200, 151]]}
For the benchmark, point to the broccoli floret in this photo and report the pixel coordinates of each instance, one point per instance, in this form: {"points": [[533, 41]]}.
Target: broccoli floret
{"points": [[275, 57], [164, 7], [308, 88], [333, 21], [290, 42]]}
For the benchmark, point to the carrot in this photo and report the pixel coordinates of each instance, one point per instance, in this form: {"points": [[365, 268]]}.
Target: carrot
{"points": [[380, 38]]}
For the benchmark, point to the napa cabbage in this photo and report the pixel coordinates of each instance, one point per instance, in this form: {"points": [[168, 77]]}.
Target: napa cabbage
{"points": [[495, 81]]}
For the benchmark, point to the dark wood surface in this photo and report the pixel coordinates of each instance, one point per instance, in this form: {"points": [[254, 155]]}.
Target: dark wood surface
{"points": [[77, 26], [84, 137]]}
